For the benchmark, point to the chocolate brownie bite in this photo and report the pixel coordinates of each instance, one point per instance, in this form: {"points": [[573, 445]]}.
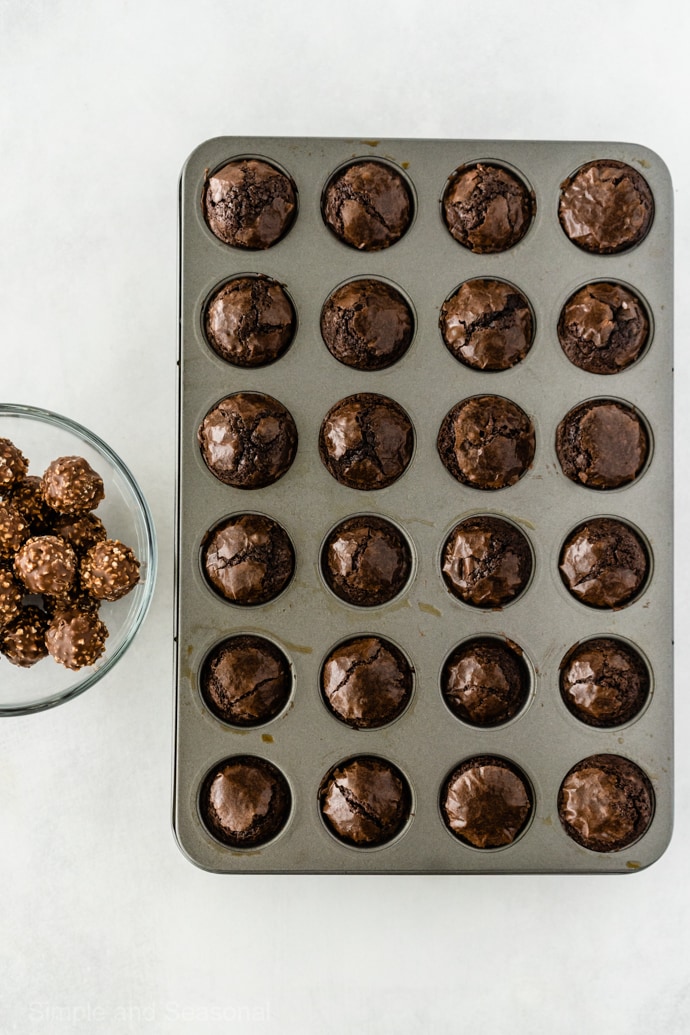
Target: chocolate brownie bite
{"points": [[487, 324], [248, 440], [602, 444], [248, 559], [249, 204], [246, 680], [603, 328], [27, 497], [606, 207], [245, 801], [368, 205], [366, 561], [487, 208], [486, 442], [605, 803], [71, 486], [485, 682], [366, 441], [365, 801], [23, 640], [76, 639], [366, 682], [486, 802], [13, 466], [486, 561], [109, 570], [80, 532], [604, 682], [11, 594], [46, 564], [604, 563], [367, 324], [14, 530], [250, 321]]}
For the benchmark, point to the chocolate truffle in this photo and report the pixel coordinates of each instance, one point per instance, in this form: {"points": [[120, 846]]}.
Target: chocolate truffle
{"points": [[367, 324], [46, 564], [602, 444], [248, 559], [246, 680], [11, 594], [486, 802], [366, 682], [80, 532], [485, 682], [245, 801], [486, 442], [71, 486], [606, 207], [27, 498], [76, 638], [487, 208], [13, 466], [603, 328], [487, 324], [249, 204], [368, 205], [365, 801], [486, 562], [109, 570], [13, 529], [604, 563], [605, 803], [366, 560], [604, 682], [366, 441], [250, 321], [248, 440], [23, 640]]}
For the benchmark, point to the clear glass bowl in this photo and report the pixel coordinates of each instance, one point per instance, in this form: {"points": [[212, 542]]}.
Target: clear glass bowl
{"points": [[42, 437]]}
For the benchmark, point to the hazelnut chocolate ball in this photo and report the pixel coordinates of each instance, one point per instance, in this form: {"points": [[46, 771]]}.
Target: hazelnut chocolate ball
{"points": [[605, 803], [27, 497], [603, 328], [248, 559], [487, 208], [246, 680], [109, 570], [486, 442], [248, 440], [13, 466], [250, 321], [604, 682], [14, 529], [486, 802], [80, 532], [367, 324], [485, 681], [368, 205], [366, 682], [604, 563], [487, 324], [76, 639], [249, 204], [366, 441], [245, 801], [71, 486], [23, 640], [365, 801], [366, 560], [46, 564], [606, 207], [486, 561], [11, 594]]}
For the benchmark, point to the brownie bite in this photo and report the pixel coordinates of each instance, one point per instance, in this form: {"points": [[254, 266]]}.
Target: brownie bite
{"points": [[23, 640], [13, 466], [250, 321], [485, 681], [486, 802], [487, 324], [245, 801], [606, 207], [486, 561], [366, 560], [246, 680], [71, 486], [486, 442], [46, 564], [366, 682], [249, 204], [602, 444], [248, 559], [605, 803], [366, 441], [604, 563], [248, 440], [367, 324], [487, 208], [76, 639], [604, 682], [368, 205], [603, 328], [365, 801]]}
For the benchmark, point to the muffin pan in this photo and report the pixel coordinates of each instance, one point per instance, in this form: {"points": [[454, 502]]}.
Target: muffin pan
{"points": [[414, 801]]}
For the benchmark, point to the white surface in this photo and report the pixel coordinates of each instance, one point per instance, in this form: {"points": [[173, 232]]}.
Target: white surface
{"points": [[104, 926]]}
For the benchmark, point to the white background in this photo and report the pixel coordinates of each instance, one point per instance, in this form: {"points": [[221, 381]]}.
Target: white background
{"points": [[104, 926]]}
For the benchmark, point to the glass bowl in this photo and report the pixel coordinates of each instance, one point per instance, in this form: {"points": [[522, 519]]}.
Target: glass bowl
{"points": [[42, 437]]}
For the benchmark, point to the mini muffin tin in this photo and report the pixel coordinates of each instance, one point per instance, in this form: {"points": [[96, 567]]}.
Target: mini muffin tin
{"points": [[426, 742]]}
